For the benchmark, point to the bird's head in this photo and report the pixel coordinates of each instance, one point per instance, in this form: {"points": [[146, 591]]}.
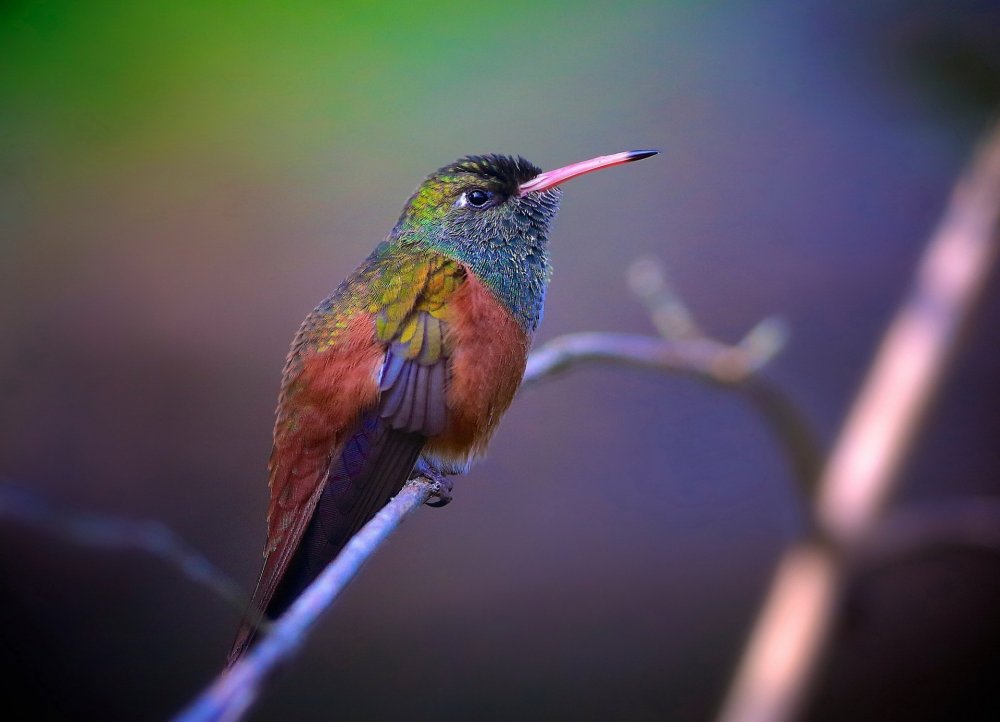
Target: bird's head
{"points": [[492, 199]]}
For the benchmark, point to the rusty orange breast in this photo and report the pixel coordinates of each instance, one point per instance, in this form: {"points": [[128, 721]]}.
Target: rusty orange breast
{"points": [[488, 351]]}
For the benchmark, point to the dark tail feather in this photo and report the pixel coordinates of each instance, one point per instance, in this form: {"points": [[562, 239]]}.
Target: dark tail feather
{"points": [[371, 468]]}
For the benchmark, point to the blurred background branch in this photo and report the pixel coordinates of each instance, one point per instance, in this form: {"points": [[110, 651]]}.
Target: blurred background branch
{"points": [[104, 531], [864, 467], [684, 348], [737, 366], [917, 531]]}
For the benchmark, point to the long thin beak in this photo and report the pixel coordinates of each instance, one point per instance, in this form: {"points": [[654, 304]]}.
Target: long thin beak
{"points": [[552, 178]]}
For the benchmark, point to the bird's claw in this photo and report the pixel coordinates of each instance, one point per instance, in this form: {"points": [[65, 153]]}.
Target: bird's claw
{"points": [[441, 491], [441, 483]]}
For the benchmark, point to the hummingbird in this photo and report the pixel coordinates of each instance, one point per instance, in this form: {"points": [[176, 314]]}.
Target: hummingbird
{"points": [[407, 367]]}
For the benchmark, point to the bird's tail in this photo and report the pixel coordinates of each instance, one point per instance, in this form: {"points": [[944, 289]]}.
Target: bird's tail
{"points": [[371, 468]]}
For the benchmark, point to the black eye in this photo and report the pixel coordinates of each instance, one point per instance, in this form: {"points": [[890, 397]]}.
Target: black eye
{"points": [[478, 197]]}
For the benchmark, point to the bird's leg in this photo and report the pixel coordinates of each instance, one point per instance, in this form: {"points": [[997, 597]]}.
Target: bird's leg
{"points": [[443, 484]]}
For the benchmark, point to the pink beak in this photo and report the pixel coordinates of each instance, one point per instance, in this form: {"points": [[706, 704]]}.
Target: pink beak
{"points": [[552, 178]]}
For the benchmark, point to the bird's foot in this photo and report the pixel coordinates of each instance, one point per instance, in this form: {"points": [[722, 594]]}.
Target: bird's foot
{"points": [[441, 491], [442, 484]]}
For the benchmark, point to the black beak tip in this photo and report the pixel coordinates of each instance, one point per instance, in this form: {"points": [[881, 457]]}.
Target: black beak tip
{"points": [[634, 155]]}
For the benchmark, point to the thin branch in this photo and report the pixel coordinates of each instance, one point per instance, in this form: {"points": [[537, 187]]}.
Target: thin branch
{"points": [[670, 315], [704, 358], [109, 532], [234, 691], [796, 437], [649, 282], [735, 366], [783, 651]]}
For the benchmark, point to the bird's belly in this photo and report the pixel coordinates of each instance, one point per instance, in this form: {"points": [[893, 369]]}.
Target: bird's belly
{"points": [[488, 352]]}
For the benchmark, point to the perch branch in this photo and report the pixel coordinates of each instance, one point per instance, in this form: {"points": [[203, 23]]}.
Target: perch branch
{"points": [[792, 629], [234, 691], [702, 357]]}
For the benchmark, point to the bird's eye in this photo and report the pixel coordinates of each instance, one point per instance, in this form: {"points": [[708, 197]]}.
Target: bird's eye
{"points": [[478, 197]]}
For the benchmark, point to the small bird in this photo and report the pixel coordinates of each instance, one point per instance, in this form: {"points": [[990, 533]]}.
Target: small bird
{"points": [[408, 366]]}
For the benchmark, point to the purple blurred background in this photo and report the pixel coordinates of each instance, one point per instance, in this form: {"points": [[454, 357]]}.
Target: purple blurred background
{"points": [[180, 185]]}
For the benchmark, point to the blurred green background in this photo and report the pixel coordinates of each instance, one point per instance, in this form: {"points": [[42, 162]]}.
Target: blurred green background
{"points": [[181, 182]]}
